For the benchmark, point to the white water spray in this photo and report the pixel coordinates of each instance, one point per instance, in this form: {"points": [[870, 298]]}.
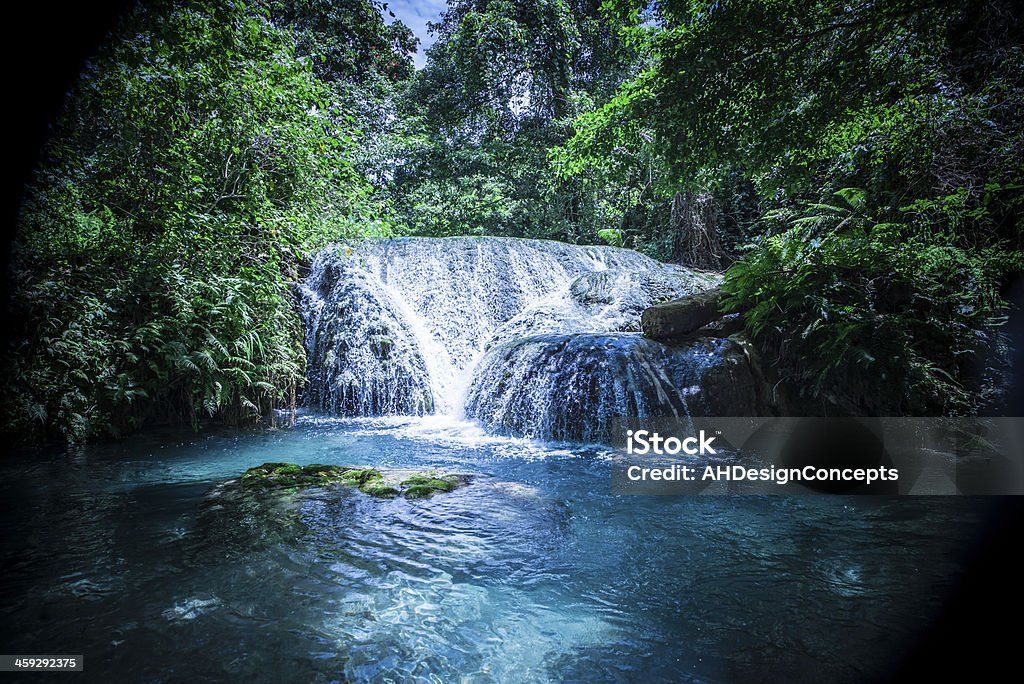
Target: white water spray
{"points": [[415, 326]]}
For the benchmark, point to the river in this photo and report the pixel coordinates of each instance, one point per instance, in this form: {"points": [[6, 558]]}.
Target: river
{"points": [[534, 572]]}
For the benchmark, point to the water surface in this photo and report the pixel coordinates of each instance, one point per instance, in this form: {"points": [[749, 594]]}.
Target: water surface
{"points": [[534, 572]]}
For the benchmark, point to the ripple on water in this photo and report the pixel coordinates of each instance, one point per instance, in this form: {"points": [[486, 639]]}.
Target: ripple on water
{"points": [[535, 571], [191, 608]]}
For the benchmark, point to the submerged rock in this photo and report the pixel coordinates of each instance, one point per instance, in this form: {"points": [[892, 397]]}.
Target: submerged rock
{"points": [[272, 476], [421, 486]]}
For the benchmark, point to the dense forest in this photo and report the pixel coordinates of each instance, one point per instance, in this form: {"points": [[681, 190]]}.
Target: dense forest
{"points": [[854, 168]]}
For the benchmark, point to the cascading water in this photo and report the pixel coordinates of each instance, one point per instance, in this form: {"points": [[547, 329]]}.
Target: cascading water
{"points": [[575, 387], [529, 337]]}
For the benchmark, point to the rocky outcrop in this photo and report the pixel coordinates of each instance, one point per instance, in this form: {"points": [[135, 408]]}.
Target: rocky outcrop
{"points": [[681, 317], [726, 388], [581, 387]]}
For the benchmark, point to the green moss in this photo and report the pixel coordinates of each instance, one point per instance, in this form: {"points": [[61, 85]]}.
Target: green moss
{"points": [[368, 480], [323, 469], [358, 477], [424, 486], [274, 475], [418, 492], [378, 488]]}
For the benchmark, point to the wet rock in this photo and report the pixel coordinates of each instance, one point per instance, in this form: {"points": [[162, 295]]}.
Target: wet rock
{"points": [[734, 385], [424, 486], [379, 488], [581, 387], [371, 481], [273, 475], [680, 317], [726, 326], [631, 291]]}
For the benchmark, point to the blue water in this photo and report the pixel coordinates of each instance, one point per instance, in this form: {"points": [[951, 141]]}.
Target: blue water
{"points": [[127, 553]]}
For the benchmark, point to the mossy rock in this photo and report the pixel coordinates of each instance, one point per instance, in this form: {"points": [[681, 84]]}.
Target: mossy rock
{"points": [[357, 477], [273, 476], [379, 488], [423, 486]]}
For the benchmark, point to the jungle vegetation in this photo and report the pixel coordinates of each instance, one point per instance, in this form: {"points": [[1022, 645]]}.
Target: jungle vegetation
{"points": [[855, 168]]}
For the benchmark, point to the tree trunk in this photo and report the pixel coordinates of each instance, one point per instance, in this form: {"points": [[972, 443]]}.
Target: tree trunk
{"points": [[694, 224]]}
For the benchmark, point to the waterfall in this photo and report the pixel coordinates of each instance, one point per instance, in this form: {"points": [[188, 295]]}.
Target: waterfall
{"points": [[528, 337]]}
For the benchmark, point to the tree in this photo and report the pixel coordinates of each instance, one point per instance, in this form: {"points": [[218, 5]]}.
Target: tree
{"points": [[913, 101], [197, 163], [469, 151]]}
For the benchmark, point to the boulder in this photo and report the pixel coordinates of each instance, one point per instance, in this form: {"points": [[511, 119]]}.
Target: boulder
{"points": [[681, 317], [726, 326]]}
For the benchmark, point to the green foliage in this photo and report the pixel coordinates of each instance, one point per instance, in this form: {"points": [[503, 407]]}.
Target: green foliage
{"points": [[347, 41], [468, 153], [916, 102], [612, 236], [197, 163], [212, 145], [873, 316]]}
